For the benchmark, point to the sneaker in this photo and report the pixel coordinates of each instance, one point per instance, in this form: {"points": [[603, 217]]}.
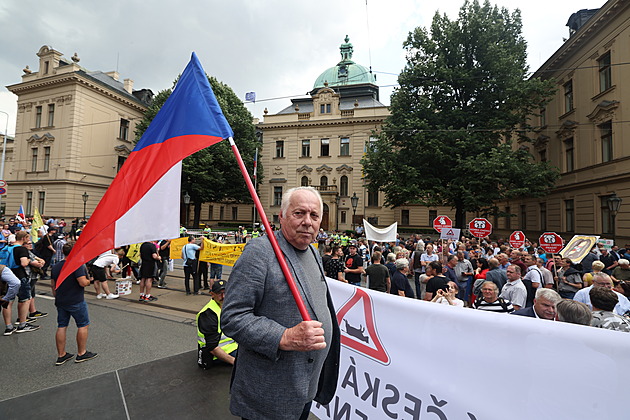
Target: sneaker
{"points": [[101, 296], [9, 331], [163, 286], [137, 281], [141, 299], [17, 321], [85, 356], [111, 296], [150, 298], [63, 359], [26, 328], [36, 314]]}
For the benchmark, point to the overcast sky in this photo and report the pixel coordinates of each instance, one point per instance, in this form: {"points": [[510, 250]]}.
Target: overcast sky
{"points": [[275, 48]]}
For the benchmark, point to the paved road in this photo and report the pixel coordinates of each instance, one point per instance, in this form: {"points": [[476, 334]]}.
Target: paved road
{"points": [[123, 333]]}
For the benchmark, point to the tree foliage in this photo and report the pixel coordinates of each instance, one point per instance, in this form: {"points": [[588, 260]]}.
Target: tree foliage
{"points": [[464, 97], [212, 174]]}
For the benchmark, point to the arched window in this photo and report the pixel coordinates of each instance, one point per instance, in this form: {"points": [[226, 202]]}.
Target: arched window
{"points": [[304, 181], [343, 186], [324, 181]]}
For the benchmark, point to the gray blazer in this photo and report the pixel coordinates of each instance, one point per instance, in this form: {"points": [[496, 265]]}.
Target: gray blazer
{"points": [[268, 383]]}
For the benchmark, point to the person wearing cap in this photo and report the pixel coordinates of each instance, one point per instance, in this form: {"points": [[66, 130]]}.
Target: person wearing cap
{"points": [[354, 265], [212, 345]]}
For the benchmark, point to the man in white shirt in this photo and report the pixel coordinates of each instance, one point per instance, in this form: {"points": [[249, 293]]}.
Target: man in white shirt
{"points": [[514, 290]]}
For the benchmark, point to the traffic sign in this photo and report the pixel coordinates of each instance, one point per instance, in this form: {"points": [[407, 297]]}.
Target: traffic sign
{"points": [[551, 242], [480, 227], [3, 183], [517, 239], [3, 191], [442, 222]]}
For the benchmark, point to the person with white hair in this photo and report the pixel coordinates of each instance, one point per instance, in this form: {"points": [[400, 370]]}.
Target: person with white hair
{"points": [[622, 271], [400, 285], [544, 305]]}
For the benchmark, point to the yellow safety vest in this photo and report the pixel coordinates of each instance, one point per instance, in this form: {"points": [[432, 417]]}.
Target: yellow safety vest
{"points": [[227, 344]]}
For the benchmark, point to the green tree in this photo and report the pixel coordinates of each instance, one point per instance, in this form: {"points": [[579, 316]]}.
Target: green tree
{"points": [[212, 174], [464, 97]]}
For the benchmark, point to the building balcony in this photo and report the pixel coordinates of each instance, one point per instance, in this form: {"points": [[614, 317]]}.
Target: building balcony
{"points": [[326, 189]]}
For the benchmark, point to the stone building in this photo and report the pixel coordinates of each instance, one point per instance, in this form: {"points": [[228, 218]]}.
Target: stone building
{"points": [[74, 131]]}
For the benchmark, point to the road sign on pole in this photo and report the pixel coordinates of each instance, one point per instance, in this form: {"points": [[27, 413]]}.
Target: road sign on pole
{"points": [[442, 222], [517, 239], [551, 242], [480, 227]]}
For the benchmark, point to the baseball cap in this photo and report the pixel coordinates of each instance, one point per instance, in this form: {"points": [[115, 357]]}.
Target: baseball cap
{"points": [[218, 285]]}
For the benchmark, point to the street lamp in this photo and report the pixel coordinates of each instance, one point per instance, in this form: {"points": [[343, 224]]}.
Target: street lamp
{"points": [[354, 200], [85, 197], [337, 200], [614, 203], [4, 147], [187, 203]]}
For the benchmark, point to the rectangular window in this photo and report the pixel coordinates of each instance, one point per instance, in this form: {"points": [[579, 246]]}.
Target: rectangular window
{"points": [[543, 155], [569, 215], [234, 213], [543, 117], [325, 148], [523, 216], [543, 216], [432, 215], [46, 158], [280, 148], [568, 96], [221, 212], [38, 117], [569, 163], [344, 216], [607, 141], [29, 203], [277, 196], [124, 129], [605, 79], [42, 201], [210, 212], [508, 218], [51, 115], [372, 198], [344, 149], [404, 217], [306, 148], [34, 159], [120, 163], [324, 109], [607, 219]]}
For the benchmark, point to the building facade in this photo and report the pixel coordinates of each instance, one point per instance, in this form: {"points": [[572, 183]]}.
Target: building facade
{"points": [[583, 131], [74, 130]]}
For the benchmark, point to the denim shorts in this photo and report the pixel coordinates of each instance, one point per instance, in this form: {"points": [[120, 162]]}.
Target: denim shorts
{"points": [[24, 294], [216, 271], [78, 311]]}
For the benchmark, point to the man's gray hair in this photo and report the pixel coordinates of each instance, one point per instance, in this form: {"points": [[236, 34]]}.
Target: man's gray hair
{"points": [[491, 283], [574, 312], [401, 263], [549, 294], [286, 199]]}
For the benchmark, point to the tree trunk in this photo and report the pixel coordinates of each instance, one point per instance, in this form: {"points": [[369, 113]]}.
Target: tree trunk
{"points": [[197, 214], [460, 217]]}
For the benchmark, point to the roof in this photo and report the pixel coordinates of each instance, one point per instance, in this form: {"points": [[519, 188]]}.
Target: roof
{"points": [[346, 72]]}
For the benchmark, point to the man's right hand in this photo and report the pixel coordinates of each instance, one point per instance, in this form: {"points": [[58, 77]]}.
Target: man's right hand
{"points": [[305, 336]]}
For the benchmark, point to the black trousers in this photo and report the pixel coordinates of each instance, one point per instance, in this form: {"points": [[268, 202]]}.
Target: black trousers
{"points": [[188, 272]]}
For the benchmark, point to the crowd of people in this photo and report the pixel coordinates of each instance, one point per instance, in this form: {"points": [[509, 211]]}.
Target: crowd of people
{"points": [[488, 275]]}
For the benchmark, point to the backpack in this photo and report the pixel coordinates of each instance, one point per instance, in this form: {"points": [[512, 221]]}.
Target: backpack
{"points": [[7, 258]]}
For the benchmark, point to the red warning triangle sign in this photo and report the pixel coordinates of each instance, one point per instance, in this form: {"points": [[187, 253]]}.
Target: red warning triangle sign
{"points": [[450, 232], [358, 331]]}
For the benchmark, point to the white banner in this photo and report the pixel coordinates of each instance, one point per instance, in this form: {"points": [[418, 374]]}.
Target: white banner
{"points": [[387, 234], [403, 358], [450, 233]]}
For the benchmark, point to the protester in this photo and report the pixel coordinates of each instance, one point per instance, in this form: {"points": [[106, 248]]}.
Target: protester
{"points": [[354, 266], [490, 300], [213, 347], [587, 279], [335, 266], [149, 258], [569, 279], [604, 301], [573, 312], [101, 269], [378, 274], [297, 361], [400, 285], [449, 297], [189, 255], [436, 280], [514, 290], [603, 280], [164, 250], [544, 305]]}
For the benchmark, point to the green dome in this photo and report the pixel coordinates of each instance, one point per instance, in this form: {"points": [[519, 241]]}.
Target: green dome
{"points": [[346, 72]]}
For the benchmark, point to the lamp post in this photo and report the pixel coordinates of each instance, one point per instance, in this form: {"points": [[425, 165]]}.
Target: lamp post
{"points": [[85, 197], [4, 151], [337, 200], [354, 200], [187, 203], [614, 203]]}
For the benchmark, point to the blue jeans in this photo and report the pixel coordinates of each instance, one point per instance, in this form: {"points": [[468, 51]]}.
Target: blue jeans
{"points": [[78, 311], [24, 294]]}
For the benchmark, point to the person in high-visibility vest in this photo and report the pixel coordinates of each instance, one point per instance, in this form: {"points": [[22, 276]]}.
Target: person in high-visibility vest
{"points": [[207, 231], [255, 234], [214, 347]]}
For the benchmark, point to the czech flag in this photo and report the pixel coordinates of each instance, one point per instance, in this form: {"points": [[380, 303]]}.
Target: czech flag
{"points": [[142, 203], [20, 215]]}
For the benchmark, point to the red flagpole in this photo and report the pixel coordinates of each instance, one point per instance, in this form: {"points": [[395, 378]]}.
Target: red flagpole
{"points": [[272, 238]]}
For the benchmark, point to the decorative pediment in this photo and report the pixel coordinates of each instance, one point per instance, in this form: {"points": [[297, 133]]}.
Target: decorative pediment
{"points": [[304, 170], [541, 142], [567, 129], [324, 170], [344, 169], [278, 170], [604, 111], [44, 140], [122, 150]]}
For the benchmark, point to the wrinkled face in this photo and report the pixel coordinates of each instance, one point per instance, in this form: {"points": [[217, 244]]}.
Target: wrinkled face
{"points": [[218, 297], [489, 293], [529, 260], [601, 282], [301, 224], [512, 275], [545, 309], [429, 249]]}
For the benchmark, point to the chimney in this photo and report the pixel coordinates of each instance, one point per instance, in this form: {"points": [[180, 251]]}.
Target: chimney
{"points": [[113, 74], [129, 85]]}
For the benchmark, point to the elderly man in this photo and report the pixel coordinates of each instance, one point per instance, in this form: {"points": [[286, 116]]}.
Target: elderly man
{"points": [[603, 280], [495, 274], [490, 300], [544, 305], [532, 279], [514, 290], [400, 285], [573, 312], [283, 362], [622, 271], [546, 274], [604, 301]]}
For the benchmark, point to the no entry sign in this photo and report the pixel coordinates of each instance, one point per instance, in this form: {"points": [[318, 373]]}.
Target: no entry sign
{"points": [[551, 242], [480, 227]]}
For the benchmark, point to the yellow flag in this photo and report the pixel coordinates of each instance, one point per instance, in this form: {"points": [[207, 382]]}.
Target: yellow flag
{"points": [[176, 247], [225, 254], [134, 252], [37, 223]]}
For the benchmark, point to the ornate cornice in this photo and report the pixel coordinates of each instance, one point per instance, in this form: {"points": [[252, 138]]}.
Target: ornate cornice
{"points": [[324, 169], [122, 150], [344, 169], [45, 140], [304, 169], [567, 129], [603, 111], [310, 123]]}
